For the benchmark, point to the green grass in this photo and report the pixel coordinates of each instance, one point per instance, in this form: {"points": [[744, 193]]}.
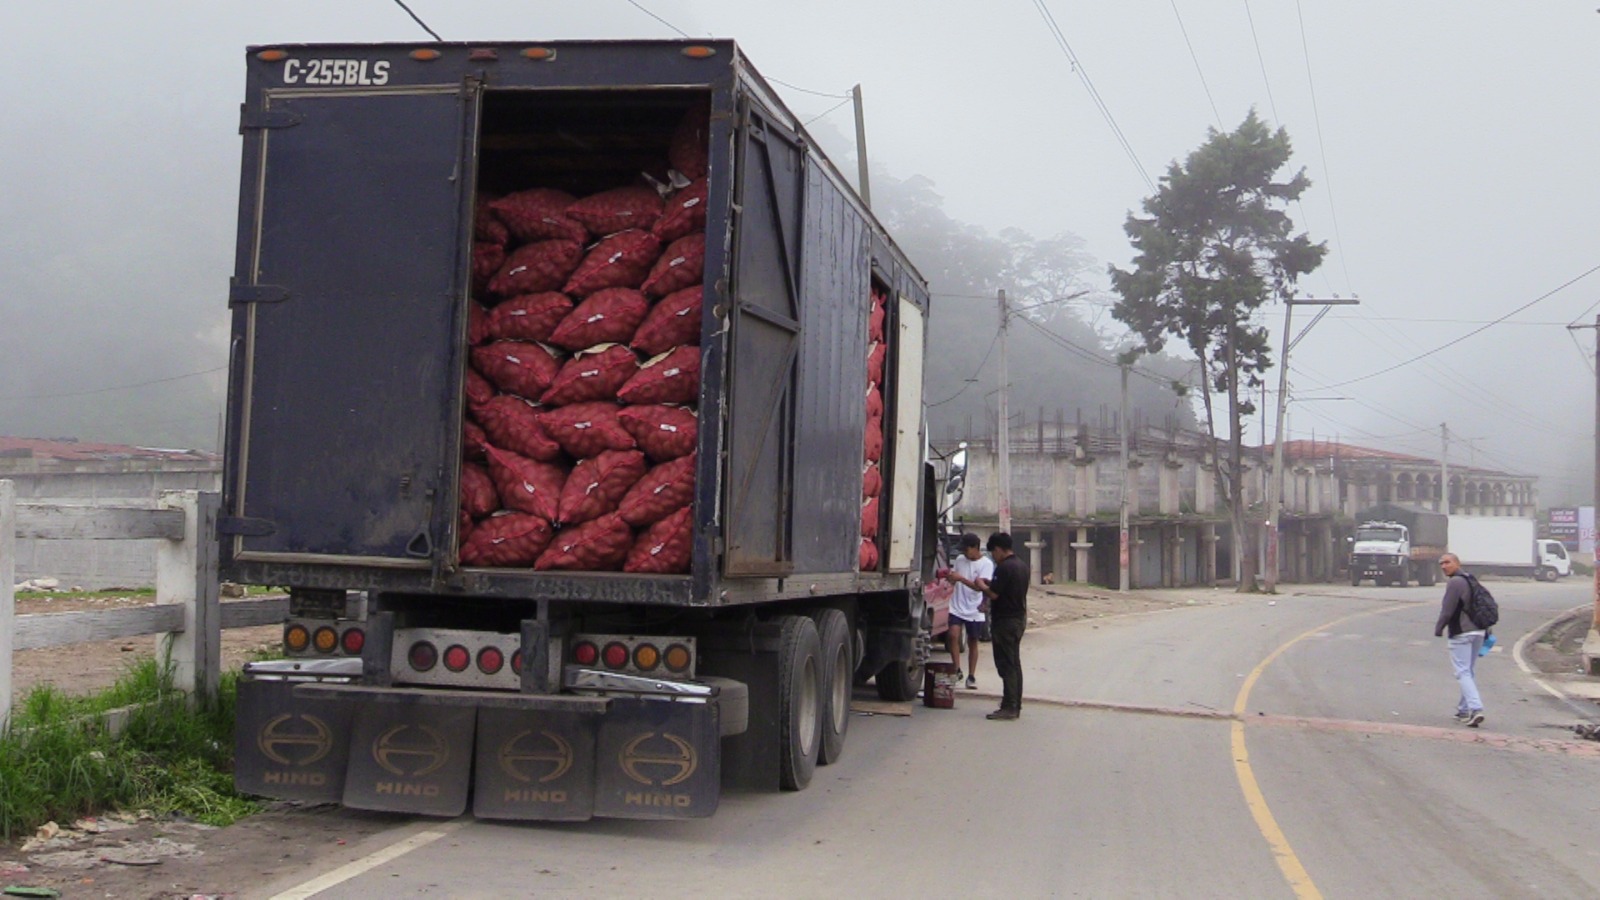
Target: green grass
{"points": [[85, 595], [58, 761]]}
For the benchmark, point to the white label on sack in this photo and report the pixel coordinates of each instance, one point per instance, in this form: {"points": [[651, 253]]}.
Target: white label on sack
{"points": [[334, 72], [582, 425], [517, 271], [529, 488], [682, 312], [677, 262], [594, 318], [513, 359], [614, 257], [517, 312], [671, 428], [590, 373], [670, 372], [691, 202], [657, 549], [659, 489]]}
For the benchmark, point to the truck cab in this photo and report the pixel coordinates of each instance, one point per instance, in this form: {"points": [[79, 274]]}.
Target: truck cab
{"points": [[1381, 552], [1553, 560]]}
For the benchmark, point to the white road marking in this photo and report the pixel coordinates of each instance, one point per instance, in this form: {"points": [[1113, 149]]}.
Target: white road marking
{"points": [[371, 861]]}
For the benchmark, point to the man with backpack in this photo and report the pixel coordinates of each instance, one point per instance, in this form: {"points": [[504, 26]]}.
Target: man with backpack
{"points": [[1468, 611]]}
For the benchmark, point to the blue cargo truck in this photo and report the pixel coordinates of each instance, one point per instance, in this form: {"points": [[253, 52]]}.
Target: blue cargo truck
{"points": [[419, 682]]}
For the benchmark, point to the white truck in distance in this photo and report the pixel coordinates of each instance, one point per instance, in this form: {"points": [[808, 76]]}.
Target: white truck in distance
{"points": [[1505, 545]]}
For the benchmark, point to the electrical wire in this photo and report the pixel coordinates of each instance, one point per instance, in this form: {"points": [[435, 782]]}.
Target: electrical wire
{"points": [[653, 16], [418, 20], [1193, 56], [825, 113], [795, 87], [1263, 60], [1322, 148], [120, 387], [969, 382]]}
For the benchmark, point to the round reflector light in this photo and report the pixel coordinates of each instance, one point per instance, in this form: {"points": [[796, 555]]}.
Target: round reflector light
{"points": [[646, 657], [616, 655], [423, 656], [326, 639], [456, 658], [490, 660], [677, 658], [585, 654], [516, 662], [296, 638], [354, 639]]}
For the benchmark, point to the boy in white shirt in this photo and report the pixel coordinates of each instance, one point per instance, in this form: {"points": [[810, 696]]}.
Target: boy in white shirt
{"points": [[966, 571]]}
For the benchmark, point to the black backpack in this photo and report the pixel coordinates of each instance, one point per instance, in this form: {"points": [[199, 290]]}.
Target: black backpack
{"points": [[1479, 604]]}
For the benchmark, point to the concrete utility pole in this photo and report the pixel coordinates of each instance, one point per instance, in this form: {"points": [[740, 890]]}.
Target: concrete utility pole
{"points": [[1444, 469], [1122, 439], [1005, 422], [861, 148], [1269, 576], [1591, 643]]}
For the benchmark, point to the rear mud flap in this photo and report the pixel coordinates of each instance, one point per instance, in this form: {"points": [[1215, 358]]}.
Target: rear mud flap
{"points": [[658, 759], [288, 748], [535, 765], [411, 757]]}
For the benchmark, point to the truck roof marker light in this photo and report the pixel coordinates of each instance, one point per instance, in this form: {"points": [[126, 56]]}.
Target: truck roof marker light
{"points": [[423, 656], [352, 641], [646, 657], [296, 638], [482, 54], [272, 55], [699, 51], [616, 655], [326, 639], [677, 658], [456, 658], [424, 54], [540, 54], [490, 660], [585, 654]]}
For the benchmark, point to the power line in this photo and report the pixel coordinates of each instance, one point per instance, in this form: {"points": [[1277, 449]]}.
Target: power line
{"points": [[1327, 170], [1197, 70], [825, 112], [975, 372], [1263, 61], [802, 90], [418, 20], [653, 16], [1083, 75], [120, 387]]}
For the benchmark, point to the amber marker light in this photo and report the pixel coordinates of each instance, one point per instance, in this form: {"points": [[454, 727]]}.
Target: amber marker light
{"points": [[699, 51], [296, 638], [326, 639], [424, 54], [646, 657], [540, 54], [272, 55], [677, 658]]}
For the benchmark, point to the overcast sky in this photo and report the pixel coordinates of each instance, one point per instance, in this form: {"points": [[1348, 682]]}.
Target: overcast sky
{"points": [[1451, 146]]}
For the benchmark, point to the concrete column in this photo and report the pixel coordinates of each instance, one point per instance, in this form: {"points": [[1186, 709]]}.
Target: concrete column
{"points": [[1035, 547], [1081, 547], [1205, 488], [1134, 465], [1083, 496], [1133, 556], [1208, 554], [1170, 496]]}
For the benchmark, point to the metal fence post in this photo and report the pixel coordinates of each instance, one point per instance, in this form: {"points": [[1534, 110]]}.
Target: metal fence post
{"points": [[186, 573], [8, 597]]}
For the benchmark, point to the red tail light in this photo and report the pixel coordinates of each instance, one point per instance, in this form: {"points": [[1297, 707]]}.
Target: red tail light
{"points": [[456, 658], [354, 639], [616, 655], [423, 656], [585, 654], [490, 660]]}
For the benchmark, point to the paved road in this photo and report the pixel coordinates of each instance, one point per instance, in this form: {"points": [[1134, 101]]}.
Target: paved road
{"points": [[1344, 775]]}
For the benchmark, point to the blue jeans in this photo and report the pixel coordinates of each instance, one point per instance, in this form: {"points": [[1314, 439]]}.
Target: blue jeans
{"points": [[1464, 656]]}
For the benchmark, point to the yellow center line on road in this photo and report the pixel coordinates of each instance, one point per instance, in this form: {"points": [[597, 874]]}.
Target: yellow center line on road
{"points": [[1288, 863]]}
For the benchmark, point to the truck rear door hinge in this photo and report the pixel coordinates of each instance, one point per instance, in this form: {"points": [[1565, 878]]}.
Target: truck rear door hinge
{"points": [[239, 292], [245, 526], [266, 118]]}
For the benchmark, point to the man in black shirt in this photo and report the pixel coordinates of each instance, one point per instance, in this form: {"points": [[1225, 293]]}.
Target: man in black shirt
{"points": [[1006, 602]]}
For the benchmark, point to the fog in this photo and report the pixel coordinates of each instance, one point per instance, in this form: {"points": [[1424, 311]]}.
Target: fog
{"points": [[1450, 146]]}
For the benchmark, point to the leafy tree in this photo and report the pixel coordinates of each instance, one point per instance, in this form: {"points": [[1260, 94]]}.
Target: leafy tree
{"points": [[1213, 247]]}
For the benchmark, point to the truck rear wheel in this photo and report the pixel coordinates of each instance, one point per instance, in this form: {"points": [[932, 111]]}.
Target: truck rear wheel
{"points": [[800, 701], [838, 670]]}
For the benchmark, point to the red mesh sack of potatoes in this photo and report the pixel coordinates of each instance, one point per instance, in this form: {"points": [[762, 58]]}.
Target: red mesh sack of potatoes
{"points": [[621, 260], [474, 441], [513, 424], [690, 148], [507, 539], [477, 324], [593, 374], [530, 317], [875, 320], [874, 402], [478, 390], [587, 429], [619, 209], [597, 485], [464, 526], [869, 517], [682, 265], [539, 214], [487, 259], [661, 491], [685, 213], [665, 547], [609, 316], [672, 377], [869, 555], [871, 480], [662, 432], [527, 485], [522, 368], [537, 267], [673, 321], [872, 444], [486, 226], [598, 545], [478, 496], [875, 357]]}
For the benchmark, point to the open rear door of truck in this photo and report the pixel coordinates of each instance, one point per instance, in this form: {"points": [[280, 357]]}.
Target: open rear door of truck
{"points": [[347, 301]]}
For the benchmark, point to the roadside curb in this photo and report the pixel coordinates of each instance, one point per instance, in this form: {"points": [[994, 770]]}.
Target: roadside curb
{"points": [[1582, 706]]}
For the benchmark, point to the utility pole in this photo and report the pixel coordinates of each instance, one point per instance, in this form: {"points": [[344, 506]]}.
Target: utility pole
{"points": [[1591, 643], [1275, 484], [1005, 421], [1444, 469], [861, 148], [1122, 440]]}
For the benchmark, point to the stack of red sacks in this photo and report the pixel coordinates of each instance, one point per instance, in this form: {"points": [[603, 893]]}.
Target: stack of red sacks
{"points": [[871, 475], [581, 396]]}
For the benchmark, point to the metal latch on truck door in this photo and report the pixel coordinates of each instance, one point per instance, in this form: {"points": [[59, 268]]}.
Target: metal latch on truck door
{"points": [[239, 292], [266, 118]]}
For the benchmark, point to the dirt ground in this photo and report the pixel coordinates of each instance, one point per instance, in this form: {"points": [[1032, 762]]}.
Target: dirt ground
{"points": [[1559, 651], [128, 855]]}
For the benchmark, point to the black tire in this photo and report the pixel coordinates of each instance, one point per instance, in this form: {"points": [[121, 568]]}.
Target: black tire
{"points": [[800, 701], [733, 704], [898, 682], [838, 670], [1546, 573]]}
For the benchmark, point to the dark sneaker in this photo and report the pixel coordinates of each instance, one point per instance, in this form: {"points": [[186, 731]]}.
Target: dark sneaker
{"points": [[1004, 714], [1462, 716], [1475, 719], [972, 683]]}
